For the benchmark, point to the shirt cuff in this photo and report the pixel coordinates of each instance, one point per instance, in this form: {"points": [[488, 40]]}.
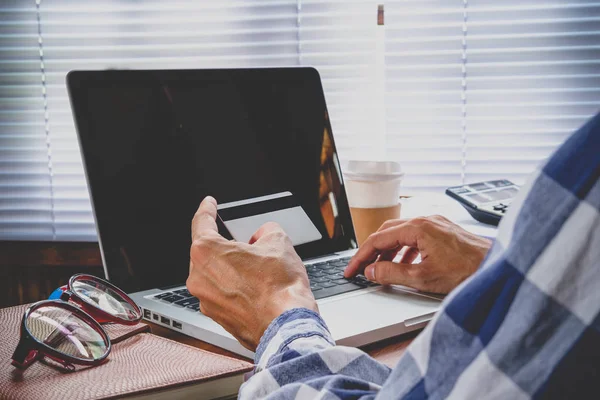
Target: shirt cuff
{"points": [[289, 326]]}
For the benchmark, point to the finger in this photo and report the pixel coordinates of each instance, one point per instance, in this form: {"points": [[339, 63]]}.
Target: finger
{"points": [[390, 273], [204, 309], [409, 255], [396, 237], [204, 221], [349, 273], [265, 230], [390, 223], [389, 255]]}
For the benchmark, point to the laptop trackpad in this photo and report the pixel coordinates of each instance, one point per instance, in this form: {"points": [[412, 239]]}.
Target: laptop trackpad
{"points": [[356, 313]]}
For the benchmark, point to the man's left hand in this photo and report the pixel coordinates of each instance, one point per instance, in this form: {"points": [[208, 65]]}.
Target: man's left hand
{"points": [[244, 286]]}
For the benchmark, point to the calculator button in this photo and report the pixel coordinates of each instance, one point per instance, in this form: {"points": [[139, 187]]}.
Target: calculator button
{"points": [[478, 186], [502, 183], [460, 190]]}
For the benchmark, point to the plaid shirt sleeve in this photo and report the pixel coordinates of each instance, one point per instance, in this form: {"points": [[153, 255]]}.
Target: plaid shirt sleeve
{"points": [[526, 325]]}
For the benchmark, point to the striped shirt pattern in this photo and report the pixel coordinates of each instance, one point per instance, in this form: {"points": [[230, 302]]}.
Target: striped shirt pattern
{"points": [[525, 325]]}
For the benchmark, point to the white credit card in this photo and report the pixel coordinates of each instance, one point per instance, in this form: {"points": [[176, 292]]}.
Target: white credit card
{"points": [[243, 218]]}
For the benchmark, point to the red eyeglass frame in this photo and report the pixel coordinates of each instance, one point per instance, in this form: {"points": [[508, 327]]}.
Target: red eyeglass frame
{"points": [[31, 349], [98, 314]]}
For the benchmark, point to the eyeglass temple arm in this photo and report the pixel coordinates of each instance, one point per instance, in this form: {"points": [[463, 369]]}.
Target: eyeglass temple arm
{"points": [[24, 355]]}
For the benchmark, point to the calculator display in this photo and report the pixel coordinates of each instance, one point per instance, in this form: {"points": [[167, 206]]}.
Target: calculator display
{"points": [[490, 195]]}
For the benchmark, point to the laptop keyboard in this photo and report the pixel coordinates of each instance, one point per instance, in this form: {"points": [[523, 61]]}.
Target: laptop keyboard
{"points": [[181, 297], [326, 280]]}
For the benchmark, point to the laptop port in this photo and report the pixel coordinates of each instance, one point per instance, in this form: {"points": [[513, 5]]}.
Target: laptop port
{"points": [[164, 320], [147, 314], [155, 317], [177, 325]]}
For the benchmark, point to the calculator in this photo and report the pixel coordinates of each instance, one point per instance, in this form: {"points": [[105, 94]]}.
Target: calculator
{"points": [[485, 201]]}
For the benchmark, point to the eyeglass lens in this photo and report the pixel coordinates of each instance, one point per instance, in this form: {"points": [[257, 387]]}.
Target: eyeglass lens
{"points": [[103, 297], [65, 332]]}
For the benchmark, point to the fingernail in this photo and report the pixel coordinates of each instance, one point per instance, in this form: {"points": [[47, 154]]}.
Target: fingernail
{"points": [[370, 272]]}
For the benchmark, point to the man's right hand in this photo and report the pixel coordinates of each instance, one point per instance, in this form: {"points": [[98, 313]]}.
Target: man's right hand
{"points": [[449, 254], [245, 286]]}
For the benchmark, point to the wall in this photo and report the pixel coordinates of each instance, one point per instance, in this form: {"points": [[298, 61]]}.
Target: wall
{"points": [[30, 271]]}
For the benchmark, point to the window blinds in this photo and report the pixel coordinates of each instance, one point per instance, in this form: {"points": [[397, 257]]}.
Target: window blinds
{"points": [[483, 89], [455, 90]]}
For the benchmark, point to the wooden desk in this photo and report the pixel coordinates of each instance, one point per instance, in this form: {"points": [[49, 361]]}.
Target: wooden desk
{"points": [[387, 351]]}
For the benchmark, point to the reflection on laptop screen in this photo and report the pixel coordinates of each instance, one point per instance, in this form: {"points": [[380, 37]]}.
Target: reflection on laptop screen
{"points": [[156, 142]]}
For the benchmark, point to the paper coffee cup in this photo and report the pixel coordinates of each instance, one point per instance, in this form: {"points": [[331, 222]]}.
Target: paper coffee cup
{"points": [[373, 191]]}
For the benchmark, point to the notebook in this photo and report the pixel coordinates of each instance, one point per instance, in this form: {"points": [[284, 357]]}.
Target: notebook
{"points": [[140, 366]]}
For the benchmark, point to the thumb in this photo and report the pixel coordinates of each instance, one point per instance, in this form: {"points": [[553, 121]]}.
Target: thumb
{"points": [[390, 273], [265, 231], [204, 221]]}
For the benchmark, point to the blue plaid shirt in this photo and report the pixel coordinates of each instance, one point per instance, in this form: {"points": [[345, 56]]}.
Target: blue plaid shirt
{"points": [[525, 325]]}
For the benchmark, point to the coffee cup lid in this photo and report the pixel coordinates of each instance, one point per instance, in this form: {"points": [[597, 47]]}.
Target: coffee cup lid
{"points": [[373, 170]]}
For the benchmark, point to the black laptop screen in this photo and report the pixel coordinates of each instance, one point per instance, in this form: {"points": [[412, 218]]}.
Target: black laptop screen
{"points": [[155, 143]]}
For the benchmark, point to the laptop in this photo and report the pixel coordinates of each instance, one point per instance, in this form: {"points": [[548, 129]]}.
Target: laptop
{"points": [[156, 142]]}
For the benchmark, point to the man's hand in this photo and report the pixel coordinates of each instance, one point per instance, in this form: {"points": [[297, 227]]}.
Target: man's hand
{"points": [[244, 286], [449, 254]]}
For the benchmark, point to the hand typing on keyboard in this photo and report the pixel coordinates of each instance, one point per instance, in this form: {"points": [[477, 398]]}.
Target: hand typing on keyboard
{"points": [[244, 286], [449, 254], [327, 278]]}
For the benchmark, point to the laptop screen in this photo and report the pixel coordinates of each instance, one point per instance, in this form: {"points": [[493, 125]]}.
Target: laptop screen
{"points": [[155, 143]]}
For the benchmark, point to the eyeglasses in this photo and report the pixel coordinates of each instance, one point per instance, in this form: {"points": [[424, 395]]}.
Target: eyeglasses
{"points": [[68, 330]]}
